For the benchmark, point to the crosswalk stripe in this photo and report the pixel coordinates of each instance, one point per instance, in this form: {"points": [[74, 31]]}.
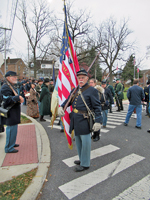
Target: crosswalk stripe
{"points": [[116, 117], [83, 183], [140, 190], [104, 130], [55, 126], [109, 126], [114, 123], [94, 154], [118, 114], [116, 120]]}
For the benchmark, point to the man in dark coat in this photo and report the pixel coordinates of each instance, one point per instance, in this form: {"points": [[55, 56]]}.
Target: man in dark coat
{"points": [[104, 99], [12, 101], [119, 95], [45, 99], [135, 95], [79, 118], [113, 94]]}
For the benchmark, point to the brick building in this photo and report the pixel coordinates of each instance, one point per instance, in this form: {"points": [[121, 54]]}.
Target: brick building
{"points": [[15, 64]]}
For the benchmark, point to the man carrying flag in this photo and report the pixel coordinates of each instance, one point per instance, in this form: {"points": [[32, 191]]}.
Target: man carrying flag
{"points": [[78, 120], [67, 79]]}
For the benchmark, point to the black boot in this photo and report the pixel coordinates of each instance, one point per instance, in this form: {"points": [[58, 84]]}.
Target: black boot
{"points": [[41, 119], [97, 137]]}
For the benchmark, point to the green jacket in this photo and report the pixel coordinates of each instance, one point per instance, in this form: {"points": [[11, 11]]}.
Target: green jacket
{"points": [[119, 91], [45, 100], [111, 89]]}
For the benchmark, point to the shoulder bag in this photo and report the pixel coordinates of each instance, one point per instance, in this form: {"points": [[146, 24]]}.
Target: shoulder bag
{"points": [[91, 115]]}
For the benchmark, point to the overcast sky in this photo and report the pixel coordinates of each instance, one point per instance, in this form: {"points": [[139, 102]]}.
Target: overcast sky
{"points": [[137, 11]]}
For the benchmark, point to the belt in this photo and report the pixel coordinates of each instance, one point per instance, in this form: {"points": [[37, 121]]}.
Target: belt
{"points": [[79, 111]]}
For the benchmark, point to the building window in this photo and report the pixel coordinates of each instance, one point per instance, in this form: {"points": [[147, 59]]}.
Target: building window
{"points": [[6, 67], [19, 68]]}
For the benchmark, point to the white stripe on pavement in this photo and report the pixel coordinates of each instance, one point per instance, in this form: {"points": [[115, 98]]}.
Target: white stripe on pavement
{"points": [[114, 123], [104, 130], [55, 126], [116, 117], [83, 183], [140, 190], [94, 154], [109, 126], [119, 120]]}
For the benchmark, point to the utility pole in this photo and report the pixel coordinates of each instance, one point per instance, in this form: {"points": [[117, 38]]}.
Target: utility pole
{"points": [[6, 29]]}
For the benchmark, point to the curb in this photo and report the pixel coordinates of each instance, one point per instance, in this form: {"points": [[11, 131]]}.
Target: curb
{"points": [[44, 157]]}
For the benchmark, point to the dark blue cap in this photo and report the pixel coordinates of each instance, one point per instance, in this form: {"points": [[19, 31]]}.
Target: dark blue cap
{"points": [[103, 81], [11, 73], [82, 72]]}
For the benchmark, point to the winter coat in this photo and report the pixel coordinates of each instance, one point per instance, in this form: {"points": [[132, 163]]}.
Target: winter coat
{"points": [[10, 100], [32, 104], [45, 100], [119, 91]]}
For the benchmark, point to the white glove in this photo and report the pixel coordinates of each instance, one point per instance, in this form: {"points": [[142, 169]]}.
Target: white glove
{"points": [[61, 112], [96, 126]]}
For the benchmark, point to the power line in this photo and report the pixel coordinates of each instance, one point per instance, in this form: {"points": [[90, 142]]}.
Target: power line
{"points": [[13, 21]]}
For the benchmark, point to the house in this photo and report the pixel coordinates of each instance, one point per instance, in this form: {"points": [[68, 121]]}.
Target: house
{"points": [[14, 64], [145, 77], [44, 68]]}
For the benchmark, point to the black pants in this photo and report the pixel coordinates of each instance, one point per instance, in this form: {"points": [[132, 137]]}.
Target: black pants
{"points": [[119, 104]]}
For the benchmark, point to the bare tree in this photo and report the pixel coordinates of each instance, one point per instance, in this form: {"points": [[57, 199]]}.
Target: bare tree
{"points": [[80, 28], [36, 21], [112, 41]]}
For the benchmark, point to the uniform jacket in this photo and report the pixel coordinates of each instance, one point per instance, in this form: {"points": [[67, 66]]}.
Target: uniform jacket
{"points": [[119, 91], [78, 123], [45, 100], [10, 100], [111, 89], [105, 97]]}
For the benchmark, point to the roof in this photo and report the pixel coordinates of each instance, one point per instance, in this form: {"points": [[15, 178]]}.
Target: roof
{"points": [[12, 61]]}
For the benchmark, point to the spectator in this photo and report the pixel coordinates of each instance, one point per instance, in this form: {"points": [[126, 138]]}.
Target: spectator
{"points": [[45, 100], [135, 95], [12, 121]]}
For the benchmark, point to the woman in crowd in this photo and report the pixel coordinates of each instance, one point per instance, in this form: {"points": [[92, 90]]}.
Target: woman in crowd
{"points": [[32, 104]]}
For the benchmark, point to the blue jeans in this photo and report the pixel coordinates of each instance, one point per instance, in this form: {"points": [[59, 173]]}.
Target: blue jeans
{"points": [[39, 103], [83, 143], [11, 134], [104, 113], [138, 112]]}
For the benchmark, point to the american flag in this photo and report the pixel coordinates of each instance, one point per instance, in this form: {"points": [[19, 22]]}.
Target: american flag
{"points": [[67, 79]]}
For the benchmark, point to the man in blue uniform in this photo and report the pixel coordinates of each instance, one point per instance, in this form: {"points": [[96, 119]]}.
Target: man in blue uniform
{"points": [[79, 118], [12, 101]]}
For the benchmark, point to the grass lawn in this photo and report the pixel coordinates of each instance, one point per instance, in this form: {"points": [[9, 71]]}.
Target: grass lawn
{"points": [[14, 188], [25, 120]]}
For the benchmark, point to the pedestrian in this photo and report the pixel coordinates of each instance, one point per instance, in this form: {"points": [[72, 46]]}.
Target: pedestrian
{"points": [[51, 89], [23, 91], [79, 118], [119, 95], [38, 90], [27, 86], [135, 95], [104, 99], [32, 104], [13, 119], [92, 82], [45, 99], [146, 92], [112, 93]]}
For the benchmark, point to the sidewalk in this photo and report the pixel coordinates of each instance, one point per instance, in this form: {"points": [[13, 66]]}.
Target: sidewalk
{"points": [[34, 151]]}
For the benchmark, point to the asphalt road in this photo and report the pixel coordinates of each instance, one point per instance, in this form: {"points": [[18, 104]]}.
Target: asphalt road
{"points": [[119, 164]]}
